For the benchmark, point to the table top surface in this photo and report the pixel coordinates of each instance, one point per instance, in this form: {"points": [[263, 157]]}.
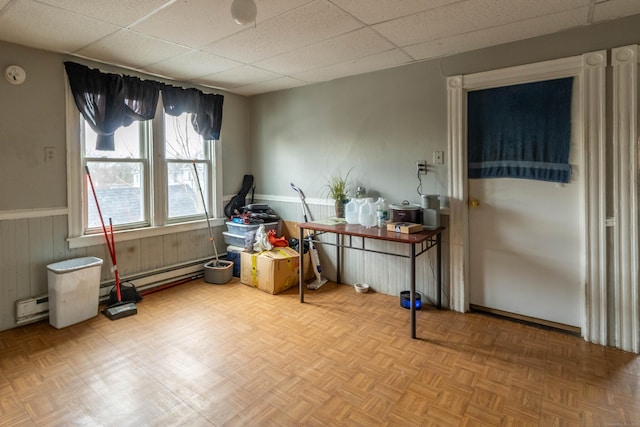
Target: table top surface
{"points": [[372, 232]]}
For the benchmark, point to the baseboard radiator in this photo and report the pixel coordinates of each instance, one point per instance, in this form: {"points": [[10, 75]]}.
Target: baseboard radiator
{"points": [[33, 309]]}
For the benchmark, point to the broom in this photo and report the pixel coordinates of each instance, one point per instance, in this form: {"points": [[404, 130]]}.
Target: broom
{"points": [[130, 294], [206, 214]]}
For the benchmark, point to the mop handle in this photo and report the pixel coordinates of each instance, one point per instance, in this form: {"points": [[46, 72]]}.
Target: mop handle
{"points": [[115, 264], [104, 229], [204, 206]]}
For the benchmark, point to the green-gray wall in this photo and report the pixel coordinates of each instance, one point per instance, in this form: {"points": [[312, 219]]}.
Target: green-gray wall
{"points": [[380, 123]]}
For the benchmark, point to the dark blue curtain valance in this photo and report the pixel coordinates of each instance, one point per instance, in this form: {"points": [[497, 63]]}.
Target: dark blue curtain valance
{"points": [[206, 109], [110, 101], [521, 131]]}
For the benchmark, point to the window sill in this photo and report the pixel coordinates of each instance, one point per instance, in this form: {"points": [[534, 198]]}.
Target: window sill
{"points": [[141, 233]]}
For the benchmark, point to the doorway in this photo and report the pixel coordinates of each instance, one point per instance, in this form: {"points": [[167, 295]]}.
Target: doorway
{"points": [[524, 189], [588, 71]]}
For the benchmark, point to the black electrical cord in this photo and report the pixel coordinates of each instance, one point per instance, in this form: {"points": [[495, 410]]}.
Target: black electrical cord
{"points": [[419, 188]]}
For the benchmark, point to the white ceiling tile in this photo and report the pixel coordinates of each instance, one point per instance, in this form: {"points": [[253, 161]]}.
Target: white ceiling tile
{"points": [[269, 86], [496, 35], [380, 61], [192, 65], [131, 49], [119, 12], [191, 23], [467, 16], [353, 45], [303, 26], [615, 9], [292, 41], [49, 28], [267, 9], [196, 23], [386, 10], [241, 76]]}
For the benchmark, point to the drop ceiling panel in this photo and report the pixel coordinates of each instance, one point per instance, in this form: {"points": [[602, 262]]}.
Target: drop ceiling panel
{"points": [[303, 26], [118, 12], [385, 10], [467, 16], [269, 86], [292, 41], [131, 49], [191, 65], [191, 23], [359, 43], [49, 28], [615, 9], [380, 61], [241, 76], [492, 36], [272, 8]]}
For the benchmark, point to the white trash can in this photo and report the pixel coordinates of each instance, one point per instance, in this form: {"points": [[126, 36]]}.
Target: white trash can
{"points": [[74, 290]]}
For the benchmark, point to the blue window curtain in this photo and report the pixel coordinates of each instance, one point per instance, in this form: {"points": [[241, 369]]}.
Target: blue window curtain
{"points": [[110, 101], [206, 109], [521, 131]]}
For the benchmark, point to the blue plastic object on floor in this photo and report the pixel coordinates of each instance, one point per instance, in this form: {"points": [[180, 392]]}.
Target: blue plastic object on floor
{"points": [[405, 300]]}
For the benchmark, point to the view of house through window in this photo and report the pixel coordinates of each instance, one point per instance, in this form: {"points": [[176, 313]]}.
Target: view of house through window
{"points": [[118, 177], [184, 148], [124, 182]]}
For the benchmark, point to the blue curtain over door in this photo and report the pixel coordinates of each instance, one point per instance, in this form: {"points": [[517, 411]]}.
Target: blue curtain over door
{"points": [[521, 131]]}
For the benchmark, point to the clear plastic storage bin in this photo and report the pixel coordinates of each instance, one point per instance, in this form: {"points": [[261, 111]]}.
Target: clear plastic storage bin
{"points": [[242, 229]]}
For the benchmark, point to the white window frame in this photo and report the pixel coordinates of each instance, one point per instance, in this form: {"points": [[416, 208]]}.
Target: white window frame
{"points": [[143, 159], [78, 193]]}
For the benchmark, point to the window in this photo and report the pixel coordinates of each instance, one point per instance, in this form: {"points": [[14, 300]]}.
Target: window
{"points": [[147, 186], [119, 178], [184, 149]]}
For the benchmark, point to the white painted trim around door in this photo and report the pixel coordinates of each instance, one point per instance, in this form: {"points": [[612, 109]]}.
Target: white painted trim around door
{"points": [[589, 70], [626, 301]]}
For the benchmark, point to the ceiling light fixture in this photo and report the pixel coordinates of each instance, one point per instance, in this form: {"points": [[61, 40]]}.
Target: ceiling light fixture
{"points": [[244, 11]]}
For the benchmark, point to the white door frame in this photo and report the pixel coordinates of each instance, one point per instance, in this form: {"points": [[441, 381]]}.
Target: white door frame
{"points": [[589, 70], [626, 298]]}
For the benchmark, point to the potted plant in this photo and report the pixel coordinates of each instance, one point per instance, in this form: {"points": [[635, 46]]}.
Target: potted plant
{"points": [[337, 188]]}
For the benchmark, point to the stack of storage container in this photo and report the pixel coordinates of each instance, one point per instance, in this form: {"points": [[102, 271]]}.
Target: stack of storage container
{"points": [[235, 238]]}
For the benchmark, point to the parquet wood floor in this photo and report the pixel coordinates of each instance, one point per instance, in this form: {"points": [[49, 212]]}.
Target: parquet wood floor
{"points": [[229, 355]]}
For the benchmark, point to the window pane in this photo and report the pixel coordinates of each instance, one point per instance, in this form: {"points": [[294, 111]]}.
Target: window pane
{"points": [[181, 140], [184, 197], [120, 190], [127, 142]]}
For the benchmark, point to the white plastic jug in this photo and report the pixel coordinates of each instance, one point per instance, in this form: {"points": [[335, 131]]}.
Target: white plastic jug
{"points": [[382, 212], [368, 213], [352, 212]]}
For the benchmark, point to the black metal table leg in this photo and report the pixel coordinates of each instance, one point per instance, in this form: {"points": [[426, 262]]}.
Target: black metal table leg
{"points": [[413, 290], [338, 258], [439, 267], [301, 272]]}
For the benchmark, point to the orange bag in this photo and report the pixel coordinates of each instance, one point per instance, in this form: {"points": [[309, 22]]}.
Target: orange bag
{"points": [[278, 242]]}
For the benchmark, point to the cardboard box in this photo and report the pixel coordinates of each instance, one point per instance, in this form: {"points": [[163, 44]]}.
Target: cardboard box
{"points": [[404, 227], [270, 271]]}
